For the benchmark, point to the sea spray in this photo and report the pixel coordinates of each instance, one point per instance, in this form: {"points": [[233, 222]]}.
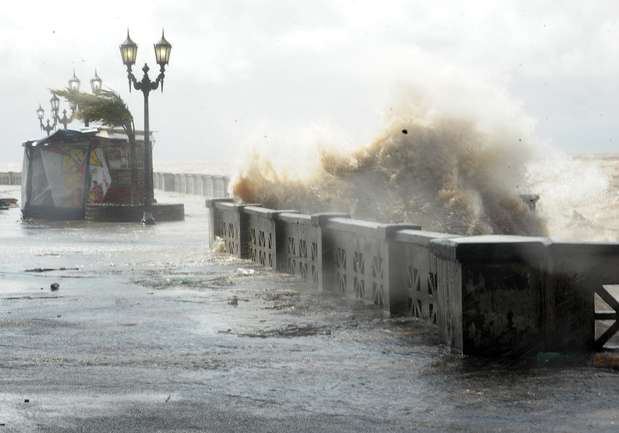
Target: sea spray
{"points": [[579, 198], [445, 174]]}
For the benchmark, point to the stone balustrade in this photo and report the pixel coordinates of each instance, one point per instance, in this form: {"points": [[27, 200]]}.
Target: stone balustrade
{"points": [[487, 295]]}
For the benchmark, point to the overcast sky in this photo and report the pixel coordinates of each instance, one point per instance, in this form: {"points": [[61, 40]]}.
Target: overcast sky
{"points": [[281, 75]]}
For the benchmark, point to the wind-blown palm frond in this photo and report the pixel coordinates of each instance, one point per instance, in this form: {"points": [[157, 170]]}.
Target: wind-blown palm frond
{"points": [[106, 107]]}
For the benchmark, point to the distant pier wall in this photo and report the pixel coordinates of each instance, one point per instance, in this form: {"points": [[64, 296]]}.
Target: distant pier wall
{"points": [[206, 185], [10, 178], [488, 295]]}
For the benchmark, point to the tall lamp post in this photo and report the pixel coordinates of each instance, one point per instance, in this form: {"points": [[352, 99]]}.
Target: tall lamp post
{"points": [[74, 86], [128, 52]]}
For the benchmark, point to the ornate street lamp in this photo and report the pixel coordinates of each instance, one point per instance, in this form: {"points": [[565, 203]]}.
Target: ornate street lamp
{"points": [[54, 102], [64, 120], [128, 52], [96, 83], [74, 83], [47, 127]]}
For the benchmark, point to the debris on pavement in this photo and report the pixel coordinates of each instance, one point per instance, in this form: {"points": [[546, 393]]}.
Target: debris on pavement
{"points": [[51, 269], [245, 271], [606, 360], [290, 330], [54, 287]]}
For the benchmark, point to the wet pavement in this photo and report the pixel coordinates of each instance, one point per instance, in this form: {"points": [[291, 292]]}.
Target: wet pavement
{"points": [[151, 332]]}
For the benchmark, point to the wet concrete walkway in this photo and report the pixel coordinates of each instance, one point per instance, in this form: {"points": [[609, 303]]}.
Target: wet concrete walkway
{"points": [[151, 332]]}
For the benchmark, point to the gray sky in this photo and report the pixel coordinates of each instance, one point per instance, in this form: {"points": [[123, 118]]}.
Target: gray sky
{"points": [[281, 76]]}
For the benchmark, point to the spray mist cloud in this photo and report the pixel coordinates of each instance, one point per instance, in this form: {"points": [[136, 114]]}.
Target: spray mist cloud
{"points": [[444, 173]]}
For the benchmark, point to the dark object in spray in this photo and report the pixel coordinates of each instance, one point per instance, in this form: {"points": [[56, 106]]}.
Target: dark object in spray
{"points": [[530, 200]]}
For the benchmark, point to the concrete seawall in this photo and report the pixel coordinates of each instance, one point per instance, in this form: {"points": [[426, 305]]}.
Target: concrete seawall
{"points": [[206, 185], [10, 178], [488, 295]]}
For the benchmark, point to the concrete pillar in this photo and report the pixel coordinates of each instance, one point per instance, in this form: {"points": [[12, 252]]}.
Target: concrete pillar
{"points": [[168, 182], [219, 187], [226, 186], [13, 178], [198, 184], [157, 180], [491, 293], [178, 183], [210, 186], [186, 183]]}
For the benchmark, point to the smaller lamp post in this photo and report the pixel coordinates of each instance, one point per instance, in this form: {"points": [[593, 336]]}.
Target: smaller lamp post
{"points": [[54, 102], [64, 120], [47, 127], [74, 85], [128, 53], [40, 112], [96, 83]]}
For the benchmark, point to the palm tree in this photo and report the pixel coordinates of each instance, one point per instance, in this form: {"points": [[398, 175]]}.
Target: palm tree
{"points": [[108, 108]]}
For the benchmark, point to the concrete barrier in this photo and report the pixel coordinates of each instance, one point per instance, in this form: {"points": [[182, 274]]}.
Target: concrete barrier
{"points": [[509, 295], [357, 260], [221, 186], [208, 186], [168, 182], [197, 184], [157, 180], [488, 295], [575, 273], [10, 178], [261, 234], [225, 220], [183, 183], [177, 183], [299, 245], [414, 279]]}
